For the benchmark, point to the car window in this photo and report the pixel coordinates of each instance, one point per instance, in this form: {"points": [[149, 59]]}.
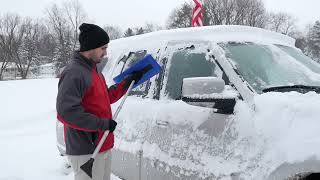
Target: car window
{"points": [[299, 56], [127, 61], [187, 63], [264, 66]]}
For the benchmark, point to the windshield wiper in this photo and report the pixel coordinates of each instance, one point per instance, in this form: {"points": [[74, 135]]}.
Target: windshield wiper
{"points": [[299, 88]]}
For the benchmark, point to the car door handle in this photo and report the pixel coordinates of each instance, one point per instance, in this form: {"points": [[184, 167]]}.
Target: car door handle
{"points": [[162, 123]]}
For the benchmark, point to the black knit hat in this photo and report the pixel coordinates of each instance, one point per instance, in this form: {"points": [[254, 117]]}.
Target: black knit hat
{"points": [[91, 37]]}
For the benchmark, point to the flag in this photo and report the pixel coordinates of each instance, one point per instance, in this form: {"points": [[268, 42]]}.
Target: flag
{"points": [[197, 13]]}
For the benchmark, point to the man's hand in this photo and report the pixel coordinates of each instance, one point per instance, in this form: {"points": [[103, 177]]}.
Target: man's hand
{"points": [[136, 76], [109, 125]]}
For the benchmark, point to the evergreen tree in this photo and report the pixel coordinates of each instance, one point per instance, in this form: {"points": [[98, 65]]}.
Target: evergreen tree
{"points": [[180, 17], [140, 31], [128, 33], [314, 41], [29, 57]]}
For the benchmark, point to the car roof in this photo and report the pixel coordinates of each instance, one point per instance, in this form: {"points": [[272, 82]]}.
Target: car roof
{"points": [[221, 33]]}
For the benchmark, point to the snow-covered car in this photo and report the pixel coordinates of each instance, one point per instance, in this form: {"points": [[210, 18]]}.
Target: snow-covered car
{"points": [[229, 103]]}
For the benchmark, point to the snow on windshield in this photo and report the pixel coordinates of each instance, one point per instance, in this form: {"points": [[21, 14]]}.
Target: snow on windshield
{"points": [[266, 66], [300, 70]]}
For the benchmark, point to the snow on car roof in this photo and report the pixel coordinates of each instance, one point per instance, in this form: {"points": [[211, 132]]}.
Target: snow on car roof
{"points": [[221, 33]]}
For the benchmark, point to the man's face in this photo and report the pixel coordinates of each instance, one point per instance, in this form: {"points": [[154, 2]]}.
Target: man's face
{"points": [[98, 53]]}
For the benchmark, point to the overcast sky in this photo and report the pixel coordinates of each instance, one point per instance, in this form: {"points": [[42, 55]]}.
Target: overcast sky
{"points": [[133, 13]]}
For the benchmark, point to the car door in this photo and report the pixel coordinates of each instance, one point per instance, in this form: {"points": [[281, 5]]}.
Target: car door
{"points": [[183, 138], [132, 122]]}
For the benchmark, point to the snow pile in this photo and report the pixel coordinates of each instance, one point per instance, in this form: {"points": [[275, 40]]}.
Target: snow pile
{"points": [[281, 127]]}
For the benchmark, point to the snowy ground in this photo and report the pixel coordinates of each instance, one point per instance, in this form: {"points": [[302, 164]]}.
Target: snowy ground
{"points": [[27, 131]]}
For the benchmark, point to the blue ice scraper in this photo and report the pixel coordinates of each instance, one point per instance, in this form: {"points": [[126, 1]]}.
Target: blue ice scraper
{"points": [[148, 64]]}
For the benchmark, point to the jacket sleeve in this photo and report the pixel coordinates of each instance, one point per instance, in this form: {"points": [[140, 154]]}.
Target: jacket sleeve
{"points": [[70, 111], [116, 91]]}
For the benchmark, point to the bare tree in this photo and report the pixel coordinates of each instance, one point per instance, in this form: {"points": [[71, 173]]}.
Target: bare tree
{"points": [[212, 9], [76, 16], [235, 12], [19, 42], [28, 53], [47, 44], [3, 59], [63, 34], [255, 13], [63, 23], [114, 32], [11, 37], [150, 27], [281, 22], [222, 12]]}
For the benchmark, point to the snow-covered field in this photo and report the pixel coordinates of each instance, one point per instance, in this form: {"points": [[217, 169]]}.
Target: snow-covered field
{"points": [[281, 127], [27, 131]]}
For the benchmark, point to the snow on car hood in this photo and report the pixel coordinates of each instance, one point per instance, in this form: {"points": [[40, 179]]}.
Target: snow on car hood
{"points": [[284, 126]]}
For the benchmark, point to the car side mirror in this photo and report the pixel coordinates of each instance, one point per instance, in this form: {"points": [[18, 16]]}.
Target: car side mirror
{"points": [[209, 92]]}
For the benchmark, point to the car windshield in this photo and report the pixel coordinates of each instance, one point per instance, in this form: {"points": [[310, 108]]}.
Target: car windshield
{"points": [[265, 66]]}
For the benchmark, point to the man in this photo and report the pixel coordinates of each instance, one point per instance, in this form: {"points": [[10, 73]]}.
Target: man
{"points": [[83, 104]]}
